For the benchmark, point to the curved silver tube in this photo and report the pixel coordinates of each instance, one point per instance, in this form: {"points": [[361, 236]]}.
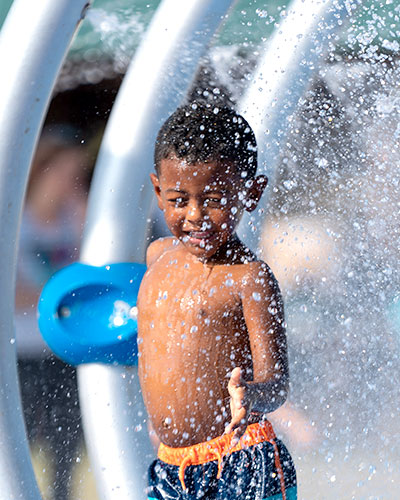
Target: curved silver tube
{"points": [[283, 74], [119, 204], [33, 43]]}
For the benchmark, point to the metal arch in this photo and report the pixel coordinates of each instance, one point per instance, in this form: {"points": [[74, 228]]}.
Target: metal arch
{"points": [[33, 42], [116, 229], [291, 56], [20, 119]]}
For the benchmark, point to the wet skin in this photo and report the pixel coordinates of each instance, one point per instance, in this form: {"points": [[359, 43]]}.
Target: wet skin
{"points": [[212, 345]]}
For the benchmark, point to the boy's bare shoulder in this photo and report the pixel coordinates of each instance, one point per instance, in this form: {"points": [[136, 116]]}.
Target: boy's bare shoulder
{"points": [[158, 248], [257, 275]]}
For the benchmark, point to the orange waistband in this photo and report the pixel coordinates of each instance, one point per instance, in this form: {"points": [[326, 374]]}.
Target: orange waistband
{"points": [[214, 449], [218, 448]]}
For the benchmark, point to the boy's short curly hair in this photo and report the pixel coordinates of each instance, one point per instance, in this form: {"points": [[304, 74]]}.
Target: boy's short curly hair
{"points": [[200, 133]]}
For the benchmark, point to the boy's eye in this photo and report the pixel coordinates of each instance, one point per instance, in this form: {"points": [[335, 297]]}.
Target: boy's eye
{"points": [[177, 201], [214, 201]]}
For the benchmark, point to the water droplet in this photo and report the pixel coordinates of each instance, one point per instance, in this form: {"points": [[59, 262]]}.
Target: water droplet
{"points": [[118, 321]]}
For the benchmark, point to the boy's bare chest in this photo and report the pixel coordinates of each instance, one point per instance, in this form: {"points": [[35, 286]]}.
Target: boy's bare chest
{"points": [[188, 292], [192, 314]]}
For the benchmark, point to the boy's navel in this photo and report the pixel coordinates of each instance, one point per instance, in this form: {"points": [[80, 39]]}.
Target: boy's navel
{"points": [[167, 423]]}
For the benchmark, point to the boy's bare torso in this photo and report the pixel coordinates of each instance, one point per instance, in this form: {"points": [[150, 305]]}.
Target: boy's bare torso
{"points": [[192, 333]]}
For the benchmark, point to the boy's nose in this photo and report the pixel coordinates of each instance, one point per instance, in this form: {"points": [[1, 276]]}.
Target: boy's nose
{"points": [[194, 212]]}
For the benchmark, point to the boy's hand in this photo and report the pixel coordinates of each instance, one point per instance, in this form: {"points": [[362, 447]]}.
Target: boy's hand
{"points": [[240, 402]]}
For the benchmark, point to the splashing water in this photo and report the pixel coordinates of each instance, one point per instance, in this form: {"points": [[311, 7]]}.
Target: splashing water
{"points": [[331, 236], [120, 32]]}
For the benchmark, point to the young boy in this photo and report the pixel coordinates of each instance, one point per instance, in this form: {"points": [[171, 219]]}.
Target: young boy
{"points": [[212, 344]]}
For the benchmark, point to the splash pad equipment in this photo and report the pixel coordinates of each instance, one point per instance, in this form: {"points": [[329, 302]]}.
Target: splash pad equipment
{"points": [[88, 314], [119, 188], [29, 73]]}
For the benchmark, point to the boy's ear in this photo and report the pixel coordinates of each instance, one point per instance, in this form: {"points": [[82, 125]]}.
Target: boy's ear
{"points": [[156, 185], [255, 191]]}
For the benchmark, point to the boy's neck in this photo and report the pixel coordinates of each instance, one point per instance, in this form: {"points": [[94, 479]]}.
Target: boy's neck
{"points": [[232, 252]]}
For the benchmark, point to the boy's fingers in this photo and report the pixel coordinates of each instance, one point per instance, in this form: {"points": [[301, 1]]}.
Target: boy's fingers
{"points": [[238, 422], [236, 387], [236, 378], [237, 398], [239, 433]]}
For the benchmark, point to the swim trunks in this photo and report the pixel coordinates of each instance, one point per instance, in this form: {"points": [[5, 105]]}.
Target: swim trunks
{"points": [[259, 467]]}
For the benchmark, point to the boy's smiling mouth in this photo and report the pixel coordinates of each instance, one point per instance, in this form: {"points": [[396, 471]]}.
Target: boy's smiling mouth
{"points": [[197, 237]]}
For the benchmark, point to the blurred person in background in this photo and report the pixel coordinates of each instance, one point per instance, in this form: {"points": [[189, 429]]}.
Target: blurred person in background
{"points": [[50, 235]]}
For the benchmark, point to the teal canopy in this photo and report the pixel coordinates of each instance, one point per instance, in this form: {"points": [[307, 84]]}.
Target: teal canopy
{"points": [[113, 28]]}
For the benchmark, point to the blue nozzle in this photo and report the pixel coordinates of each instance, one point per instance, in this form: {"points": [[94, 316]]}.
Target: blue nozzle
{"points": [[88, 314]]}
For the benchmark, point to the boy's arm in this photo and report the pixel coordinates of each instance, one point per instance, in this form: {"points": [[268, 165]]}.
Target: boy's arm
{"points": [[264, 317]]}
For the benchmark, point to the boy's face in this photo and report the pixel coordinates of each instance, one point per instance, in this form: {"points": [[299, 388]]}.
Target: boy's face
{"points": [[203, 203]]}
